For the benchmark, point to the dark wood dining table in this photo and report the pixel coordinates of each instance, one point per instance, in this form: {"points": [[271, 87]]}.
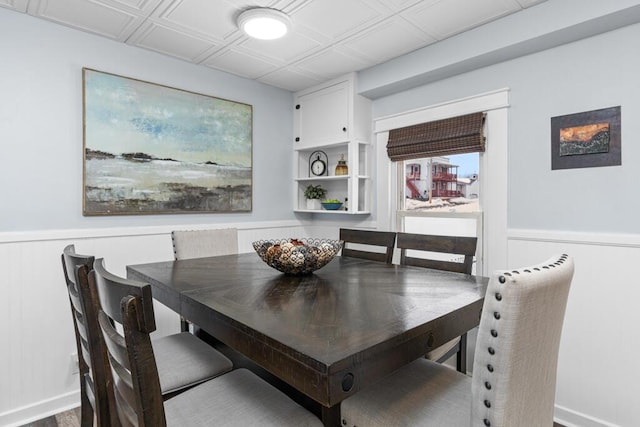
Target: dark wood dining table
{"points": [[327, 334]]}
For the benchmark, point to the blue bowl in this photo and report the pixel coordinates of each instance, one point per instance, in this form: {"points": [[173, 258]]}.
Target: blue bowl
{"points": [[331, 206]]}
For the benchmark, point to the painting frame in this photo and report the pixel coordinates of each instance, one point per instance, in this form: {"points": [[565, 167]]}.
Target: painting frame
{"points": [[153, 149], [586, 139]]}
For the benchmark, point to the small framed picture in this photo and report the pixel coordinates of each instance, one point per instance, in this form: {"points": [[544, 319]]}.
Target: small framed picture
{"points": [[585, 140]]}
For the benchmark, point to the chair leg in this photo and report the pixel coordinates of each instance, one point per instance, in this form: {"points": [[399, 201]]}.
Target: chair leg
{"points": [[184, 324], [461, 356], [86, 410]]}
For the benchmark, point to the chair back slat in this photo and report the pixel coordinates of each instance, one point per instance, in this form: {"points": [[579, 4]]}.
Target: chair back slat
{"points": [[515, 366], [455, 245], [384, 239], [118, 359], [92, 358], [138, 396]]}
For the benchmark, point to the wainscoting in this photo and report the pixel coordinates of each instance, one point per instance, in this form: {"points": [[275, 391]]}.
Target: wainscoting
{"points": [[38, 367], [595, 387]]}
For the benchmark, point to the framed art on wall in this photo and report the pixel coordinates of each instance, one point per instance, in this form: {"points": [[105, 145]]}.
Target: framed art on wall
{"points": [[154, 149], [587, 139]]}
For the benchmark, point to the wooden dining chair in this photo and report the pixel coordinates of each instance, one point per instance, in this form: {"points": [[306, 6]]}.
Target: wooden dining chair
{"points": [[515, 367], [94, 376], [462, 247], [183, 359], [236, 398], [188, 244], [363, 238]]}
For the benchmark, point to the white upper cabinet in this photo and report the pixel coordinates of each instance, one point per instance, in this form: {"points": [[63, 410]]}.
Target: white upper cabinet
{"points": [[331, 113], [323, 115]]}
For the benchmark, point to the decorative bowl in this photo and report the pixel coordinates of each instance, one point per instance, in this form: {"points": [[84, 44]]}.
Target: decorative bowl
{"points": [[297, 256], [332, 206]]}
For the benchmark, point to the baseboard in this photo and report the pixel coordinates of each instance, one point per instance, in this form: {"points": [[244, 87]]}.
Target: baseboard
{"points": [[569, 418], [45, 408]]}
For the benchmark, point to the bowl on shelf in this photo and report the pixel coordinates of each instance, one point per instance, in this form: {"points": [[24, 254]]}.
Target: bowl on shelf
{"points": [[331, 206], [297, 256]]}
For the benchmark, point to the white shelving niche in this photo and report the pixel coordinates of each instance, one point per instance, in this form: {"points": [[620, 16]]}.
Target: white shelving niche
{"points": [[333, 119]]}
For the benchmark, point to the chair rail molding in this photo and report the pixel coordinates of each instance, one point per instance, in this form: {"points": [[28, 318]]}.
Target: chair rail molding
{"points": [[578, 237]]}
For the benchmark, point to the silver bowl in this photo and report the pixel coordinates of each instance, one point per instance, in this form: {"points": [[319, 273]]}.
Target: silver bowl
{"points": [[297, 256]]}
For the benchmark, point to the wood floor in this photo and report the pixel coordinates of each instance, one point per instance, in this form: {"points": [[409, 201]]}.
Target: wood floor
{"points": [[69, 418], [72, 419]]}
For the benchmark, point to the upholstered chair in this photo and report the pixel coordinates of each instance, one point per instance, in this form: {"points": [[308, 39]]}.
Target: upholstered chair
{"points": [[189, 244], [514, 371], [204, 243]]}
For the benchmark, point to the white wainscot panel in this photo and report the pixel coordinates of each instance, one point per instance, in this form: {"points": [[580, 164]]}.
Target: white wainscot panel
{"points": [[38, 375], [597, 369]]}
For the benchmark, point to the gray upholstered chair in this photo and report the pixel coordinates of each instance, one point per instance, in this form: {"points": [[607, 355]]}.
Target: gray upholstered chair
{"points": [[189, 244], [368, 238], [204, 243], [515, 367], [237, 398], [183, 359], [465, 248]]}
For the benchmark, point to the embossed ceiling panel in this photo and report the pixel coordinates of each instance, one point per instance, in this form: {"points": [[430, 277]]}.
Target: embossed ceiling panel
{"points": [[328, 38]]}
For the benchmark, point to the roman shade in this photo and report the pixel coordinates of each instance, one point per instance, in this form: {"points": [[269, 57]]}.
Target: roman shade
{"points": [[456, 135]]}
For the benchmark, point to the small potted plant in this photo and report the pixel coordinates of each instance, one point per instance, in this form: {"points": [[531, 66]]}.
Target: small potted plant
{"points": [[313, 194]]}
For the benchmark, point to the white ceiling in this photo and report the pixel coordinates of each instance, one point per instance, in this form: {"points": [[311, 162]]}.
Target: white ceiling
{"points": [[329, 37]]}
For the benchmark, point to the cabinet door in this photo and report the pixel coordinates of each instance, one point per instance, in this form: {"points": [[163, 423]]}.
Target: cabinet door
{"points": [[323, 116]]}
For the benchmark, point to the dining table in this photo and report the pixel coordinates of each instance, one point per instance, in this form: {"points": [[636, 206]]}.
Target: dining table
{"points": [[327, 334]]}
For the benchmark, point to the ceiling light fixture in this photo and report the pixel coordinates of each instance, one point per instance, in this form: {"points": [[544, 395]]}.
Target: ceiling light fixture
{"points": [[264, 23]]}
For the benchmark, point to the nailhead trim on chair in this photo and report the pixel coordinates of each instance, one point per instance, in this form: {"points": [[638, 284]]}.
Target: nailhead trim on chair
{"points": [[494, 333]]}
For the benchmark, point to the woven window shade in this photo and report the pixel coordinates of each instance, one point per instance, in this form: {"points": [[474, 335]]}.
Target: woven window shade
{"points": [[457, 135]]}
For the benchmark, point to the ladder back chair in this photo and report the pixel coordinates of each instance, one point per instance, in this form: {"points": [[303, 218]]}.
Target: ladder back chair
{"points": [[383, 239], [235, 398], [514, 371], [183, 359], [94, 374], [455, 245], [464, 247], [189, 244]]}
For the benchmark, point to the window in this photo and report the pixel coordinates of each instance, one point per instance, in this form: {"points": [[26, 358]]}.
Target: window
{"points": [[441, 195], [492, 196]]}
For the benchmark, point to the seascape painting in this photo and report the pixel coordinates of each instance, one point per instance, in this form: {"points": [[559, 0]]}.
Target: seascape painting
{"points": [[152, 149]]}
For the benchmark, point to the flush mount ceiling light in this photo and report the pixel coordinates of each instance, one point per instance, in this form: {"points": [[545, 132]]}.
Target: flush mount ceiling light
{"points": [[264, 23]]}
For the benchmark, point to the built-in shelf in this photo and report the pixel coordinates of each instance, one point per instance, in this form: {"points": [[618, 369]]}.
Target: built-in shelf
{"points": [[333, 120]]}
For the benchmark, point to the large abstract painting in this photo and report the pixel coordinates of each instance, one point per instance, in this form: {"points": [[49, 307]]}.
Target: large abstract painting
{"points": [[587, 139], [153, 149]]}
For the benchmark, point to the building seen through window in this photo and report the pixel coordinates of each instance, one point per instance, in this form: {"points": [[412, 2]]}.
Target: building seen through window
{"points": [[449, 184]]}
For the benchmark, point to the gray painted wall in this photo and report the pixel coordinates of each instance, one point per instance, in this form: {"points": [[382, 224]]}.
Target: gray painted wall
{"points": [[594, 73], [41, 126]]}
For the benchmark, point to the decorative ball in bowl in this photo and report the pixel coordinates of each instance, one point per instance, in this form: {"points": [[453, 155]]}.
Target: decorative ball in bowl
{"points": [[331, 205], [297, 256]]}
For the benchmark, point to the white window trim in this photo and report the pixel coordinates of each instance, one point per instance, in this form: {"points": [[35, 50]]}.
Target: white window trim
{"points": [[493, 183]]}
